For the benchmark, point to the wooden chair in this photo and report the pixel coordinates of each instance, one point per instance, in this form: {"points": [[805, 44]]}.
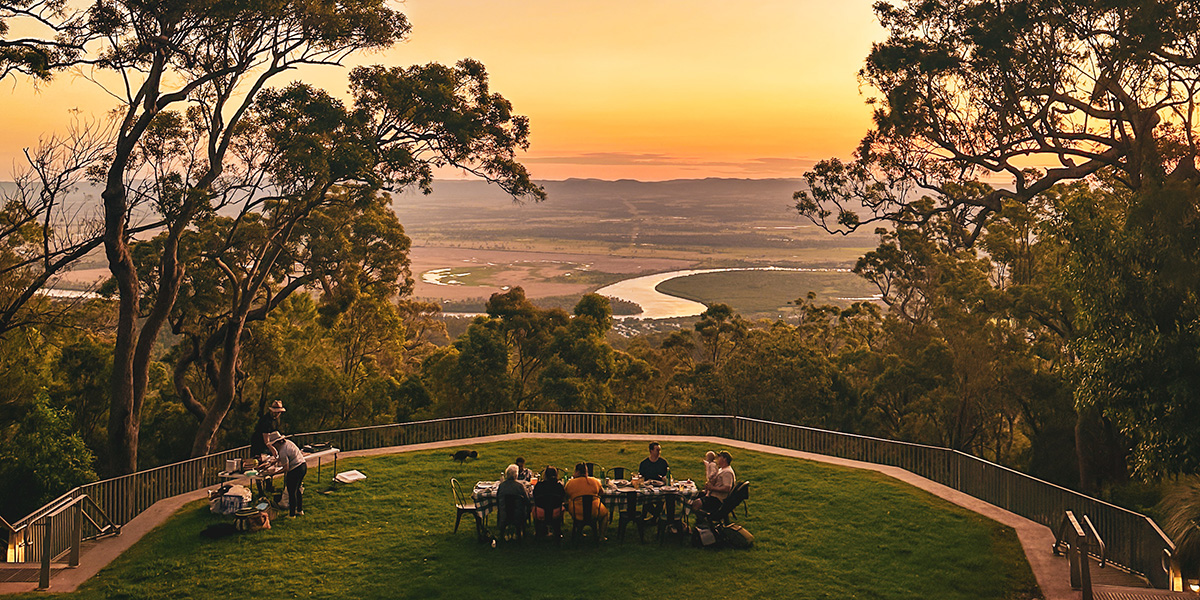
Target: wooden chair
{"points": [[587, 518], [465, 506]]}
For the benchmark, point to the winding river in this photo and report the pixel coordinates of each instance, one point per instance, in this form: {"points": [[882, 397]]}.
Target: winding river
{"points": [[657, 305]]}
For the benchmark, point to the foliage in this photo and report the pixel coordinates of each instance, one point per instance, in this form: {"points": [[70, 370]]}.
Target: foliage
{"points": [[1096, 247], [42, 459]]}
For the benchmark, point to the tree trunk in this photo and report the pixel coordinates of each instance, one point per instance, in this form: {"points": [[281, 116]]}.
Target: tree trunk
{"points": [[123, 420], [226, 389]]}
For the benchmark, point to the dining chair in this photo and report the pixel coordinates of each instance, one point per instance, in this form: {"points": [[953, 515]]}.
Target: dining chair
{"points": [[616, 473], [672, 519], [465, 506], [514, 511], [587, 518], [630, 514], [592, 468]]}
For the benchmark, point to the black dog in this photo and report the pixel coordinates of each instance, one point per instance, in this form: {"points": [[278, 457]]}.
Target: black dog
{"points": [[463, 455]]}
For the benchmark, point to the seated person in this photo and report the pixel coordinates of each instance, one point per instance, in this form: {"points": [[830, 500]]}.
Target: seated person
{"points": [[582, 485], [717, 489], [511, 487], [548, 499], [654, 467], [523, 474]]}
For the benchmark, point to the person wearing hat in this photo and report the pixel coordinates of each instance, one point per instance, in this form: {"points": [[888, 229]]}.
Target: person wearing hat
{"points": [[267, 423], [294, 467]]}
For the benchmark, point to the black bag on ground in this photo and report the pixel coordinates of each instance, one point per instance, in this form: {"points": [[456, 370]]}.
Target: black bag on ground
{"points": [[736, 536], [703, 536]]}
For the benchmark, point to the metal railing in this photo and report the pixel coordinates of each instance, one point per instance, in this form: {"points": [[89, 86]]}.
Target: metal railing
{"points": [[1134, 541], [1072, 535]]}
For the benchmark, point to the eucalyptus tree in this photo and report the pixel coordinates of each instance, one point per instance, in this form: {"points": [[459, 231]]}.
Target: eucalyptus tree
{"points": [[985, 104], [213, 58], [322, 221], [42, 233]]}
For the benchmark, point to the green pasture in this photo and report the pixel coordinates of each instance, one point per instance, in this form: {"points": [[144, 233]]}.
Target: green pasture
{"points": [[821, 532], [767, 293]]}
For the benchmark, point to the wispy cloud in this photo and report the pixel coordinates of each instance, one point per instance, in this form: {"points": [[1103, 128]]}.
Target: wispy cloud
{"points": [[609, 158], [774, 165]]}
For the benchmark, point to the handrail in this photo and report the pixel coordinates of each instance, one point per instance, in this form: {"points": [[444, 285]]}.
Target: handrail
{"points": [[1095, 536], [1077, 553], [1068, 525], [76, 536]]}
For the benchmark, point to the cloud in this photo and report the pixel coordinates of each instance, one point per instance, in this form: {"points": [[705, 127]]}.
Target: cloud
{"points": [[628, 159], [609, 158]]}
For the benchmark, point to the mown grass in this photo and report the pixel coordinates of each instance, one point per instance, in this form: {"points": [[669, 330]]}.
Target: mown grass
{"points": [[821, 532]]}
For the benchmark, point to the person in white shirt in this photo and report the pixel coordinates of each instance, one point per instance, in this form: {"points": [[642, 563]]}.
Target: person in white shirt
{"points": [[717, 489], [710, 465], [294, 467]]}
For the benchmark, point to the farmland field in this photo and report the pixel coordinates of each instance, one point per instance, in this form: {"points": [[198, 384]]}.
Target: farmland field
{"points": [[767, 293], [591, 233]]}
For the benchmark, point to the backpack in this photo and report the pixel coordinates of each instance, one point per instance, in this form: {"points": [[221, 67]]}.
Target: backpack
{"points": [[736, 536], [702, 536]]}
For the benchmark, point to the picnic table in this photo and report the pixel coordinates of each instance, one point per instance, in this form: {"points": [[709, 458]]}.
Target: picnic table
{"points": [[261, 476], [611, 495]]}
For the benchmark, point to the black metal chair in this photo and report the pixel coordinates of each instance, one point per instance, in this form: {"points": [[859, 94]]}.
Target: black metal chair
{"points": [[466, 506], [630, 514], [724, 515], [587, 518], [514, 511], [671, 519], [592, 468], [616, 473], [551, 523]]}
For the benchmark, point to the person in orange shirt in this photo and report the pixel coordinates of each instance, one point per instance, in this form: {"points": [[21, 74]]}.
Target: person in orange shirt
{"points": [[582, 485]]}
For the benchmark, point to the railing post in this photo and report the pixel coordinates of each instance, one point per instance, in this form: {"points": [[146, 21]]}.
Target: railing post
{"points": [[76, 535], [44, 572], [1085, 573]]}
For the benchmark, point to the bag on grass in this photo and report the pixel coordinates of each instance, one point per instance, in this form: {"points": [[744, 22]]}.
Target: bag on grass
{"points": [[736, 536], [702, 536]]}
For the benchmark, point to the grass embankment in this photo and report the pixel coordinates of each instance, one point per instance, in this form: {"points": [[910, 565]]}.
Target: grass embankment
{"points": [[821, 532]]}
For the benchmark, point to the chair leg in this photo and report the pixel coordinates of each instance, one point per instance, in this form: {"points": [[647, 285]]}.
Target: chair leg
{"points": [[457, 521]]}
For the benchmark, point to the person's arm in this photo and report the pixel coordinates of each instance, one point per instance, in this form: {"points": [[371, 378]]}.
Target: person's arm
{"points": [[270, 446]]}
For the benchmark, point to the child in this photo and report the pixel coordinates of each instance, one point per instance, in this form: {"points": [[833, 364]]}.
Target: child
{"points": [[710, 465]]}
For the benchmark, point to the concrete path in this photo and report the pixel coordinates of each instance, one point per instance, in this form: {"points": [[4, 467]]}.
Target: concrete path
{"points": [[1050, 571]]}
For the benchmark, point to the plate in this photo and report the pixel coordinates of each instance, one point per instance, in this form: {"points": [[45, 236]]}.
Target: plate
{"points": [[620, 482]]}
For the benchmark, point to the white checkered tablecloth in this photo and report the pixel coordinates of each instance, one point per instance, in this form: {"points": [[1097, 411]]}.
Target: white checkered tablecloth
{"points": [[485, 495]]}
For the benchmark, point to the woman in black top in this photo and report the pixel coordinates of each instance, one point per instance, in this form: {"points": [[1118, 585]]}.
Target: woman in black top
{"points": [[548, 499], [266, 424]]}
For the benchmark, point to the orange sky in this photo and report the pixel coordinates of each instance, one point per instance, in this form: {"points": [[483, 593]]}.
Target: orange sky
{"points": [[643, 89]]}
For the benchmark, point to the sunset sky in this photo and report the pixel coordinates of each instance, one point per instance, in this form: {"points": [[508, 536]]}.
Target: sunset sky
{"points": [[645, 89]]}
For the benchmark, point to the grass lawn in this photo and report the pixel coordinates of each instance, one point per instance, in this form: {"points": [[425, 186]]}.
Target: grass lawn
{"points": [[820, 532]]}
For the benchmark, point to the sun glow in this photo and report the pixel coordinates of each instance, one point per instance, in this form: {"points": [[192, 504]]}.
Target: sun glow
{"points": [[625, 89]]}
